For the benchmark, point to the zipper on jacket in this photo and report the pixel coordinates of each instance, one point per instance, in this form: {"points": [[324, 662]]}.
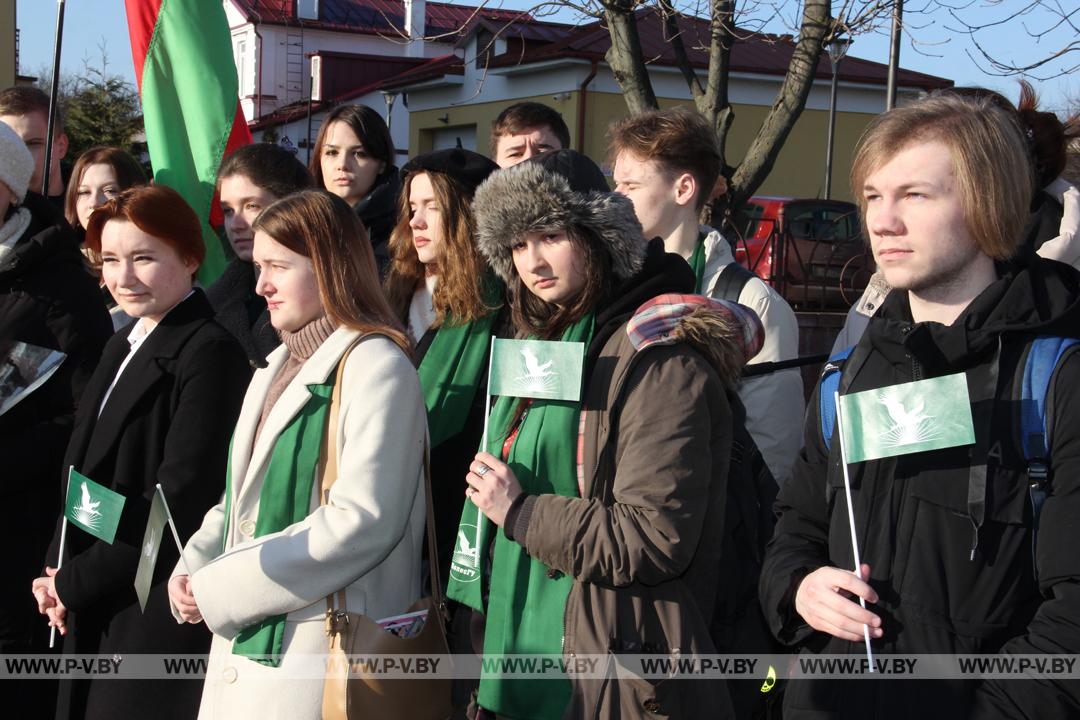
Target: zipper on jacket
{"points": [[622, 387]]}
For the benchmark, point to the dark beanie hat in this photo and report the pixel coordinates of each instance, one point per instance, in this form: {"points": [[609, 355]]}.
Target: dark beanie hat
{"points": [[582, 173], [466, 167]]}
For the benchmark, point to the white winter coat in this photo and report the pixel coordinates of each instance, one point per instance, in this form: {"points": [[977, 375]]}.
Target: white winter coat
{"points": [[774, 402], [367, 539]]}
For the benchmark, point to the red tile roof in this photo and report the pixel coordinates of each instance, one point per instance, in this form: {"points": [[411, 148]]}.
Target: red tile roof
{"points": [[752, 53], [374, 17]]}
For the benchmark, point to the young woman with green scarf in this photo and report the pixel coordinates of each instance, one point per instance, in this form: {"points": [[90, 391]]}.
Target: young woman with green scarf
{"points": [[439, 286], [260, 568], [611, 507]]}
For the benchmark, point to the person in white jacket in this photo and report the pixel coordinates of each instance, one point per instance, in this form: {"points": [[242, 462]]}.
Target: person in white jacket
{"points": [[260, 568], [667, 162]]}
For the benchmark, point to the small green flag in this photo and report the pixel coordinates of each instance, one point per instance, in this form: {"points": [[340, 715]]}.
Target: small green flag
{"points": [[908, 418], [550, 370], [92, 507], [155, 526]]}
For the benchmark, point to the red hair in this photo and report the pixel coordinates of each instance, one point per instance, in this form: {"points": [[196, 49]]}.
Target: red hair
{"points": [[157, 210]]}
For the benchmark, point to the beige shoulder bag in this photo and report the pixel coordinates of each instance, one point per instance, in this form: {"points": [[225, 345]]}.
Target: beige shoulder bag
{"points": [[361, 694]]}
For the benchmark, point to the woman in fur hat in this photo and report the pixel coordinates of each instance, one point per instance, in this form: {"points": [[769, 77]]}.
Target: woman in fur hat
{"points": [[611, 507], [439, 286]]}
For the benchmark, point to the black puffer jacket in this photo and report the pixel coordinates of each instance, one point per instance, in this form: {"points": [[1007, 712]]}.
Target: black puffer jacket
{"points": [[378, 211], [47, 298], [944, 586], [243, 313]]}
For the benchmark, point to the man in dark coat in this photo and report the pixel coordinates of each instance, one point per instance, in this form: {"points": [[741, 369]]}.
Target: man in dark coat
{"points": [[49, 299], [946, 535]]}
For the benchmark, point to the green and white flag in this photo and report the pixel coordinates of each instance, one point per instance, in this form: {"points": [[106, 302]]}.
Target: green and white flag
{"points": [[908, 418], [550, 370], [92, 507], [155, 526]]}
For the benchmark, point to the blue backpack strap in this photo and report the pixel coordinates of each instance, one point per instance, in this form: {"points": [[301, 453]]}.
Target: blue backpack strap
{"points": [[830, 383], [1042, 360]]}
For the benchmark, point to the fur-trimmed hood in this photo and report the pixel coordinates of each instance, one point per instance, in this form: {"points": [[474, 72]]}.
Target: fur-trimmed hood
{"points": [[726, 333], [539, 196]]}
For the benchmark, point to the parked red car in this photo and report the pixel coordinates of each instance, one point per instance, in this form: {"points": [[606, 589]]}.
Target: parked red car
{"points": [[812, 251]]}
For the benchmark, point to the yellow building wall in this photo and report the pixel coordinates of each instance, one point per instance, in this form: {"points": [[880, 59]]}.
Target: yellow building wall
{"points": [[7, 43], [799, 170]]}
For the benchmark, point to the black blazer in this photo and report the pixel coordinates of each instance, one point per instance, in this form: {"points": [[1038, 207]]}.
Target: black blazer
{"points": [[168, 420]]}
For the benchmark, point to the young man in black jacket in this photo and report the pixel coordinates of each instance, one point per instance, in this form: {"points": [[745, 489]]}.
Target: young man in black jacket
{"points": [[946, 536]]}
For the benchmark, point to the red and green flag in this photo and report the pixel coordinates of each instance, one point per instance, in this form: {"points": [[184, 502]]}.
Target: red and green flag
{"points": [[189, 89]]}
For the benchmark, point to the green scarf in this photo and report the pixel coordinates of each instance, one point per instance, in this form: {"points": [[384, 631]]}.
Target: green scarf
{"points": [[285, 499], [526, 607], [450, 371], [697, 262]]}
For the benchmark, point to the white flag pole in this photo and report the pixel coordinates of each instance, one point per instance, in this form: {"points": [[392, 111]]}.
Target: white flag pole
{"points": [[487, 404], [63, 541], [172, 526], [480, 517], [851, 522]]}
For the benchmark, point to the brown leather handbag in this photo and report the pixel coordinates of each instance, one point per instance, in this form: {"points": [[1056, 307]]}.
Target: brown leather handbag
{"points": [[358, 694]]}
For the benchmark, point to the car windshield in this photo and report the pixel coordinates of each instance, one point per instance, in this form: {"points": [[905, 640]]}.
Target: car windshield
{"points": [[822, 224]]}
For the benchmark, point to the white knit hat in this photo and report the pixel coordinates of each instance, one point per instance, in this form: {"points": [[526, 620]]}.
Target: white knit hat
{"points": [[16, 162]]}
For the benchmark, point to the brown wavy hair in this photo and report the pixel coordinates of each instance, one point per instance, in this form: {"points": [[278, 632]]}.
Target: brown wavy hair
{"points": [[459, 294], [323, 228]]}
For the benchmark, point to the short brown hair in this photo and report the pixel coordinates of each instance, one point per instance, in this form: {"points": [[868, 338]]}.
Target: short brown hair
{"points": [[128, 174], [27, 99], [679, 140], [323, 228], [459, 293], [157, 210], [523, 116], [989, 156]]}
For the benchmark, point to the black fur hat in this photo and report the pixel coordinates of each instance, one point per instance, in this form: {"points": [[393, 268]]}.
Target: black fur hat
{"points": [[554, 191]]}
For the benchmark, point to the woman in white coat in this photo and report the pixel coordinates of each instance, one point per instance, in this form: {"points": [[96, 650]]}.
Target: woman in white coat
{"points": [[259, 569]]}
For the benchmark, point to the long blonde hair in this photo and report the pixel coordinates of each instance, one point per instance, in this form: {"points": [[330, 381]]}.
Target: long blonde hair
{"points": [[989, 156]]}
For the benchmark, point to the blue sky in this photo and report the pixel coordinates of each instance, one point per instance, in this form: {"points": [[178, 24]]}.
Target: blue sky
{"points": [[942, 49]]}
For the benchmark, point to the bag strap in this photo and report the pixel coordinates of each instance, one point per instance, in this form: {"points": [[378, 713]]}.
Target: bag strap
{"points": [[330, 475], [830, 384], [731, 281], [1042, 360]]}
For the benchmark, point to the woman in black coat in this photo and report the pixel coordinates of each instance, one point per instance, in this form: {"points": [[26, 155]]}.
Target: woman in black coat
{"points": [[159, 409]]}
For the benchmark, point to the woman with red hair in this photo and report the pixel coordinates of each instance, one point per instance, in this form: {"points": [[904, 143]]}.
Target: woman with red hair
{"points": [[159, 409]]}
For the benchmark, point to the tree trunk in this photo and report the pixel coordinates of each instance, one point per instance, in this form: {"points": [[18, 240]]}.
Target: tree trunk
{"points": [[626, 58], [789, 104]]}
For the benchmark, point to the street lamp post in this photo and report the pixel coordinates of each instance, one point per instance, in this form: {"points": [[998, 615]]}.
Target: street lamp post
{"points": [[837, 48], [389, 98]]}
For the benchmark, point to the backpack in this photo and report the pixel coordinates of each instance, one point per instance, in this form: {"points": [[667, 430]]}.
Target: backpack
{"points": [[738, 624], [731, 281], [1043, 357]]}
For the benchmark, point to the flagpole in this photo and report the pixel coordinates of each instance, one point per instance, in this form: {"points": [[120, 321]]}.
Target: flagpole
{"points": [[851, 523], [172, 526], [54, 97], [60, 556], [487, 405]]}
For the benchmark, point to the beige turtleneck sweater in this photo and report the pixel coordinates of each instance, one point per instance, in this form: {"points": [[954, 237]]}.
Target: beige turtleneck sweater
{"points": [[302, 344]]}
